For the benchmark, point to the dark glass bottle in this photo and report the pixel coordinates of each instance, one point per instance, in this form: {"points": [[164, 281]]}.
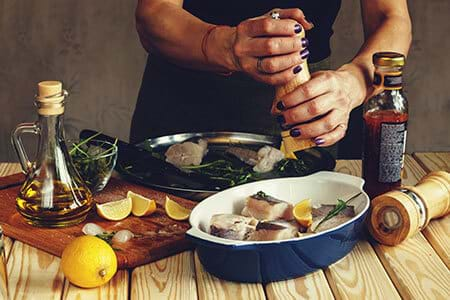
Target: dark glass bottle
{"points": [[385, 121]]}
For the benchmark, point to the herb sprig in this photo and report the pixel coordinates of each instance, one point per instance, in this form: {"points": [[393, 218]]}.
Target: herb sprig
{"points": [[340, 206]]}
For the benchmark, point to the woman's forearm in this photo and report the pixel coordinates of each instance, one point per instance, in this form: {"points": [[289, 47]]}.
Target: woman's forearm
{"points": [[386, 29], [165, 27]]}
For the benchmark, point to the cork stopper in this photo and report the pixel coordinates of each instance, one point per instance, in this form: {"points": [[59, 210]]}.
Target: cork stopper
{"points": [[397, 215], [50, 98]]}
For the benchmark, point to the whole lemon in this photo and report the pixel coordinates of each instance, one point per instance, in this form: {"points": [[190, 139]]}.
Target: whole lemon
{"points": [[88, 262]]}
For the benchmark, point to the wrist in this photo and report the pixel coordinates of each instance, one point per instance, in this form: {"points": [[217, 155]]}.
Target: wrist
{"points": [[220, 48], [357, 81]]}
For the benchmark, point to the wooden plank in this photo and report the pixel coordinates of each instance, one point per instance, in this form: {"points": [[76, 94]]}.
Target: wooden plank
{"points": [[434, 161], [9, 169], [311, 286], [360, 273], [116, 289], [33, 274], [414, 267], [210, 287], [169, 278], [438, 231]]}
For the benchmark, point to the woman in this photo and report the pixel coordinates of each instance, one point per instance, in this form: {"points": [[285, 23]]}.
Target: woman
{"points": [[201, 77]]}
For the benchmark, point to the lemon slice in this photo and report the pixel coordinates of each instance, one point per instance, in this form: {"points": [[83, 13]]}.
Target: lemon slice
{"points": [[88, 262], [141, 206], [302, 213], [176, 211], [116, 210]]}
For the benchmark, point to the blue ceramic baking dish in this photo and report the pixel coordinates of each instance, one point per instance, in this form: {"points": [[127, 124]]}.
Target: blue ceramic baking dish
{"points": [[267, 261]]}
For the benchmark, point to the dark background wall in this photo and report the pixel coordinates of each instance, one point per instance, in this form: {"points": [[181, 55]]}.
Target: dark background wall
{"points": [[93, 48]]}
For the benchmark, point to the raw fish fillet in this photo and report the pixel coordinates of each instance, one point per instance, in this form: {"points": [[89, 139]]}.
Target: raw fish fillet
{"points": [[187, 153], [320, 213], [264, 207], [233, 227], [268, 157], [248, 156], [274, 230]]}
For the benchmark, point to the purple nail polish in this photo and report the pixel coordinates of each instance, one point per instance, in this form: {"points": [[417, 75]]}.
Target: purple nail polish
{"points": [[295, 132], [297, 28], [305, 42], [280, 105], [304, 53], [319, 141], [281, 119], [297, 69]]}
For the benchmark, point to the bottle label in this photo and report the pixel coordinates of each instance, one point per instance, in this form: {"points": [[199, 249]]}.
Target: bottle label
{"points": [[390, 81], [392, 150]]}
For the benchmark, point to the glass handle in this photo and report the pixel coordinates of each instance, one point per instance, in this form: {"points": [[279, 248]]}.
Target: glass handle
{"points": [[16, 139]]}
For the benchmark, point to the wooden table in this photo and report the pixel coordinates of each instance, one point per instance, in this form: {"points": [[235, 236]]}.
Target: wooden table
{"points": [[416, 269]]}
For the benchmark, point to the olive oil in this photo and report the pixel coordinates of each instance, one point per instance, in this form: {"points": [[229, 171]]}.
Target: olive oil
{"points": [[53, 194], [54, 204]]}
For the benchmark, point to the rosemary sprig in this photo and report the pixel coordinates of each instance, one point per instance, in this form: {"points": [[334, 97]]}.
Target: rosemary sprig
{"points": [[106, 236], [340, 206]]}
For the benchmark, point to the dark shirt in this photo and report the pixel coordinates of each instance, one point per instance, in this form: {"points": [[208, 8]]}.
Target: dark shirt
{"points": [[321, 13]]}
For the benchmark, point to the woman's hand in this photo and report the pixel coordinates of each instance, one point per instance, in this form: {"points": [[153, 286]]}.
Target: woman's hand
{"points": [[269, 50], [324, 103]]}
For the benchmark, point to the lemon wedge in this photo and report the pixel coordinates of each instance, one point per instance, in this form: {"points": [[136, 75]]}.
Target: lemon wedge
{"points": [[176, 211], [303, 213], [88, 262], [141, 206], [116, 210]]}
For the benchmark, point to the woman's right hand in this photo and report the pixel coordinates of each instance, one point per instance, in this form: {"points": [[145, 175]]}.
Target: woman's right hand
{"points": [[275, 43]]}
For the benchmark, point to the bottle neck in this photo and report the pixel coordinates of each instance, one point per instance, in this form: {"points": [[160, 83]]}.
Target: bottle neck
{"points": [[389, 78], [51, 136]]}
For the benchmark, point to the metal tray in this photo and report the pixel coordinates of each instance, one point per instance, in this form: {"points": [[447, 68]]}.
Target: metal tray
{"points": [[322, 159]]}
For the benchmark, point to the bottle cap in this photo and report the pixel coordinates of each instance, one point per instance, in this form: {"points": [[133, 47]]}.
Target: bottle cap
{"points": [[50, 98], [388, 59]]}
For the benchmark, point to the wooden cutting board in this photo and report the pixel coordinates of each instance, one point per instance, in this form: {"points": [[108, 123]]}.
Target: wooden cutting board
{"points": [[159, 236]]}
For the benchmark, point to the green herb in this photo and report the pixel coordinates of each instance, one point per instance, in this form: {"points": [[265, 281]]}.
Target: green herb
{"points": [[106, 236], [93, 160], [340, 206]]}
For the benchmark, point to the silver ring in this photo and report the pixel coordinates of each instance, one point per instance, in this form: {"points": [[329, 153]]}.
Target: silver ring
{"points": [[259, 65], [275, 15]]}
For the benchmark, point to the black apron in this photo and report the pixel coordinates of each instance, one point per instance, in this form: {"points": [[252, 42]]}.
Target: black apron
{"points": [[175, 100]]}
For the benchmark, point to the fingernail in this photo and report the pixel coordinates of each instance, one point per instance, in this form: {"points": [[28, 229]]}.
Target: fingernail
{"points": [[280, 105], [304, 53], [298, 28], [319, 141], [281, 119], [295, 132], [305, 42], [297, 69]]}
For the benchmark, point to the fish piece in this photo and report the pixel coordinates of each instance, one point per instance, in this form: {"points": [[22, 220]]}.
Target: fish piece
{"points": [[248, 156], [321, 212], [233, 227], [264, 207], [274, 230], [187, 153], [268, 157]]}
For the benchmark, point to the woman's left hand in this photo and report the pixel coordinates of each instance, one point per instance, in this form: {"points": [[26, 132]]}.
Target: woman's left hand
{"points": [[325, 103]]}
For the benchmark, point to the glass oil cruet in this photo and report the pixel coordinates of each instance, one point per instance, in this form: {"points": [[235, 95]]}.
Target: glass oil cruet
{"points": [[53, 194]]}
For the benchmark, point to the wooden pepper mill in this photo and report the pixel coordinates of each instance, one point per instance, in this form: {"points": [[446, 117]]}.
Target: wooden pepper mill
{"points": [[399, 214], [289, 145]]}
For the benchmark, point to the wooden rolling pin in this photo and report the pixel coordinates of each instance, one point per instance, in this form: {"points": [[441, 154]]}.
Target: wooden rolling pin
{"points": [[399, 214], [290, 145]]}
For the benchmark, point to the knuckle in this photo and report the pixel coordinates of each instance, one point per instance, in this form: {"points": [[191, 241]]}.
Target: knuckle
{"points": [[306, 90], [246, 65], [238, 49], [266, 25], [272, 80], [271, 46], [270, 65], [299, 13], [313, 108]]}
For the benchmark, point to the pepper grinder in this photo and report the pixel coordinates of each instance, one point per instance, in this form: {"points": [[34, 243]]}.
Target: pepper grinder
{"points": [[399, 214], [290, 145]]}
